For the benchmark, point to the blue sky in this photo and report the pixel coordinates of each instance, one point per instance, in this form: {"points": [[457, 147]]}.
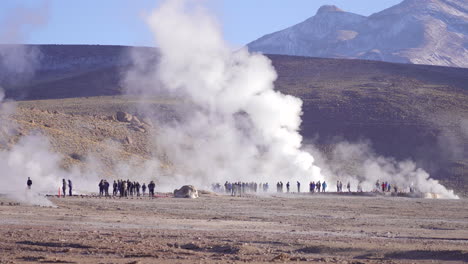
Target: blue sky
{"points": [[120, 22]]}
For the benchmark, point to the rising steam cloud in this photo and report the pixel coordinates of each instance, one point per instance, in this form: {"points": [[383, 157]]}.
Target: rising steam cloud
{"points": [[233, 125]]}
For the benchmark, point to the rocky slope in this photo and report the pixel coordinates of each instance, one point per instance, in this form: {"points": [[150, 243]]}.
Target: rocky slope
{"points": [[433, 32]]}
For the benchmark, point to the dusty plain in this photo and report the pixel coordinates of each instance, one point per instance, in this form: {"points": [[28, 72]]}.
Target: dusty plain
{"points": [[224, 229]]}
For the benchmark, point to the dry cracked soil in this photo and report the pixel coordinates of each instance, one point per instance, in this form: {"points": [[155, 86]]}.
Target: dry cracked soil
{"points": [[225, 229]]}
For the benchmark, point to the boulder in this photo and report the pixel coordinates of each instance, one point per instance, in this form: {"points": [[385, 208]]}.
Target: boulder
{"points": [[124, 117], [187, 191], [135, 121]]}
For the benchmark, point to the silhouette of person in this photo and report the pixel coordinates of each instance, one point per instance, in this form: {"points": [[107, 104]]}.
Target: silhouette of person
{"points": [[29, 183], [70, 186]]}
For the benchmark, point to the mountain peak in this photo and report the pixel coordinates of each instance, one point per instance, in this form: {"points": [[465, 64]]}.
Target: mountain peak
{"points": [[328, 9]]}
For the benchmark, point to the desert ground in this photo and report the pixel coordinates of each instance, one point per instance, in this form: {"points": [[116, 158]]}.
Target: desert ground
{"points": [[223, 229]]}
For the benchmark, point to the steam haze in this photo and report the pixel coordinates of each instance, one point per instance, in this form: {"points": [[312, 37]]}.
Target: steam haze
{"points": [[230, 124], [234, 126]]}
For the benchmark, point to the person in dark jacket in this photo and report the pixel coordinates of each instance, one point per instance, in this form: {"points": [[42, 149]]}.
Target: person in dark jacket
{"points": [[70, 187], [64, 187], [106, 188], [29, 183], [151, 187], [101, 188]]}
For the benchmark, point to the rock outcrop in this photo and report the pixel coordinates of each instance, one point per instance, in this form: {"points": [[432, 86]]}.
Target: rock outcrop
{"points": [[124, 117], [187, 191]]}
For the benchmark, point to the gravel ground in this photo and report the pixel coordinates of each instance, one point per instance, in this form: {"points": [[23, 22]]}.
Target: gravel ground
{"points": [[224, 229]]}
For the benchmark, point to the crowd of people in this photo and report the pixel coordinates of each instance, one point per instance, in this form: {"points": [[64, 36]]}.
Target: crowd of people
{"points": [[313, 187], [239, 188], [126, 188]]}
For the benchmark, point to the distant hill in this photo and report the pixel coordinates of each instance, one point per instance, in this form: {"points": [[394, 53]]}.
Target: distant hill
{"points": [[406, 111], [432, 32]]}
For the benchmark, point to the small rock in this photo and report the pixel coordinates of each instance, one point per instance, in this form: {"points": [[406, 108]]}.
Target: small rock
{"points": [[124, 117]]}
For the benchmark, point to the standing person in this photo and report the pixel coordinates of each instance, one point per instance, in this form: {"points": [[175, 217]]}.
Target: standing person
{"points": [[124, 191], [29, 183], [114, 188], [64, 187], [101, 187], [137, 186], [312, 187], [337, 186], [106, 187], [70, 187], [324, 186], [298, 187], [287, 187], [143, 188], [348, 186], [151, 187], [318, 186]]}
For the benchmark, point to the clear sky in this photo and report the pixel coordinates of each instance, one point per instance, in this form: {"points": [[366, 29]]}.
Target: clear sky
{"points": [[120, 22]]}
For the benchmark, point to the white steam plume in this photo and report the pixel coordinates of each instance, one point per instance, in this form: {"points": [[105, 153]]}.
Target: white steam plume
{"points": [[31, 155], [235, 126], [358, 164]]}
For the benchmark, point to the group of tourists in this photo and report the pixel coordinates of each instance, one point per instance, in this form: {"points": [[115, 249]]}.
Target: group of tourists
{"points": [[318, 186], [387, 187], [120, 188], [126, 188], [240, 188], [339, 186]]}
